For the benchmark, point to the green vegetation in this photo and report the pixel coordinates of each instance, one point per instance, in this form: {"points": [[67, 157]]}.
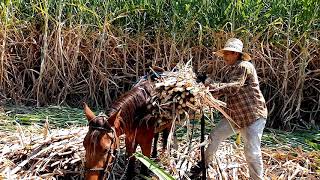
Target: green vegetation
{"points": [[57, 117], [161, 174], [307, 140]]}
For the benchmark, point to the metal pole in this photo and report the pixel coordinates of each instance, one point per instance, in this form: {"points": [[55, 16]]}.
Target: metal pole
{"points": [[204, 170]]}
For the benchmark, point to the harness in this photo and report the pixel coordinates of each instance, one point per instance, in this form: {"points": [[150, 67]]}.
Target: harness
{"points": [[104, 172]]}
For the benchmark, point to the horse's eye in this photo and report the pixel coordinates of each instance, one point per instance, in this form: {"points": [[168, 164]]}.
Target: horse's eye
{"points": [[110, 130]]}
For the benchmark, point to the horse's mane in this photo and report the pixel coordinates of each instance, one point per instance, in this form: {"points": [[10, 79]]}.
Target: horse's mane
{"points": [[133, 103]]}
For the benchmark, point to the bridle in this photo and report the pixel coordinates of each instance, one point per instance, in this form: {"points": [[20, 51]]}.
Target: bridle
{"points": [[114, 153]]}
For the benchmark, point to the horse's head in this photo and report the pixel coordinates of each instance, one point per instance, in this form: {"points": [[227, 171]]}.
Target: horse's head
{"points": [[101, 144]]}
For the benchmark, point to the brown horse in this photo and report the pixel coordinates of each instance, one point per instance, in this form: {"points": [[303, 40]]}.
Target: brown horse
{"points": [[128, 115]]}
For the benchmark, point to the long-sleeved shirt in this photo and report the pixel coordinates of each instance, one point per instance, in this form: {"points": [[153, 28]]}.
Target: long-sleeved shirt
{"points": [[240, 85]]}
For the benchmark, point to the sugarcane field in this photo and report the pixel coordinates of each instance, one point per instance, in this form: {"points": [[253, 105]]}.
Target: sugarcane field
{"points": [[160, 90]]}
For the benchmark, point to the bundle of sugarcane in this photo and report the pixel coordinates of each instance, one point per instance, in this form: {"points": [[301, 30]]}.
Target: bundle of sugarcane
{"points": [[177, 95], [40, 153], [50, 155]]}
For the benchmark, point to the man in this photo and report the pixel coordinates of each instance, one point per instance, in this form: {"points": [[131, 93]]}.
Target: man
{"points": [[245, 105]]}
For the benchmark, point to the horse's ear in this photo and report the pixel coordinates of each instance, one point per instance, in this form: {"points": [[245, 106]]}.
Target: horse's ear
{"points": [[87, 111], [115, 118]]}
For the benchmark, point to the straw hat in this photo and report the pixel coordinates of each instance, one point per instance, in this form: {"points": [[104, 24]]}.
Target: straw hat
{"points": [[236, 45]]}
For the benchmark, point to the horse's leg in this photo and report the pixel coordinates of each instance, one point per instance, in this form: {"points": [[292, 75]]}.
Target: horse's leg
{"points": [[155, 145], [145, 144], [165, 135], [131, 147]]}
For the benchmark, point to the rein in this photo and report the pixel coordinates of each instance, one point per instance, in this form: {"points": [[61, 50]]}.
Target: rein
{"points": [[114, 153]]}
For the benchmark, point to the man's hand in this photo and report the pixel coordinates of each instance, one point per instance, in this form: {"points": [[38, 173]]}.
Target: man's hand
{"points": [[214, 89]]}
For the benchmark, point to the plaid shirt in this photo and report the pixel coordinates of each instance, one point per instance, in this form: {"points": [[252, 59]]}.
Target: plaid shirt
{"points": [[245, 102]]}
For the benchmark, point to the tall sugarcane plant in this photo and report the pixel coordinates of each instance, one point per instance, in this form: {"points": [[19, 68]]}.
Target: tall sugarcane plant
{"points": [[60, 51]]}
